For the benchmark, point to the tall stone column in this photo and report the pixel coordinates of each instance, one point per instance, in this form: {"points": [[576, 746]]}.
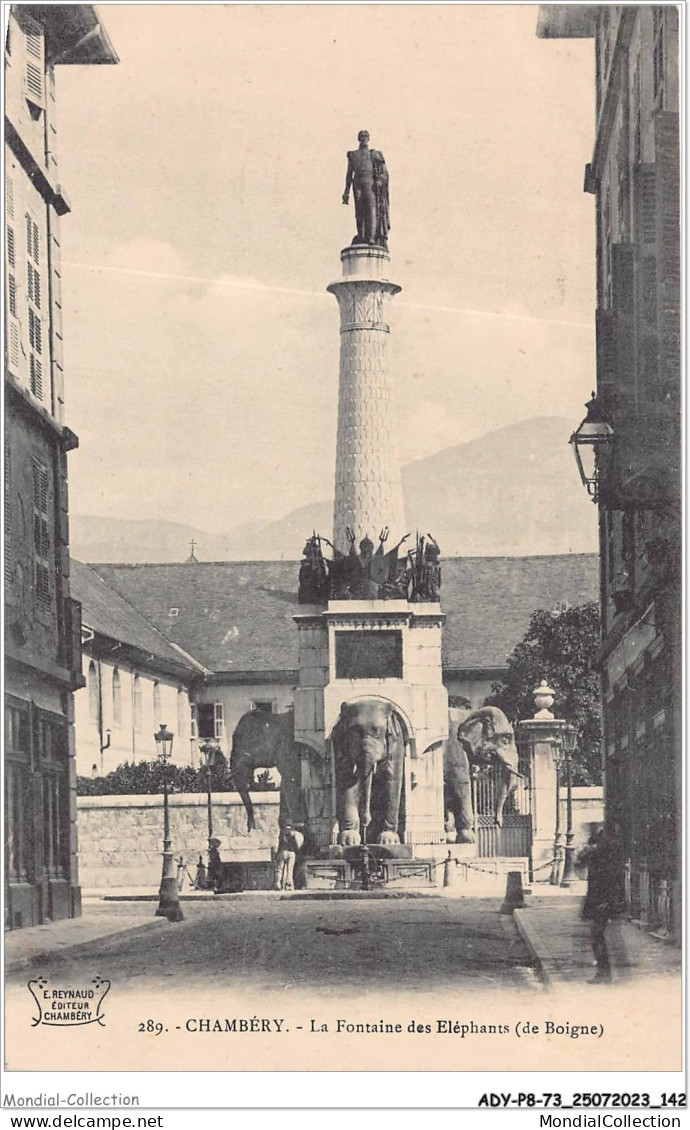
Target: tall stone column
{"points": [[368, 486]]}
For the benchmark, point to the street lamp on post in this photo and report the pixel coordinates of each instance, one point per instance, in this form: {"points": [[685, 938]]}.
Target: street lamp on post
{"points": [[209, 749], [557, 846], [592, 444], [168, 898], [564, 751]]}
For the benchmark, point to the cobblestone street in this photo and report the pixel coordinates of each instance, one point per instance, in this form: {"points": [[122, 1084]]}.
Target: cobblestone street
{"points": [[268, 943]]}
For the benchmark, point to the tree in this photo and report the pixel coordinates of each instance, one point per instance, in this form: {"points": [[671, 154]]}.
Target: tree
{"points": [[560, 647]]}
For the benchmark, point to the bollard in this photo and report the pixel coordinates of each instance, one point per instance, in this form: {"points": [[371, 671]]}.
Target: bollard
{"points": [[514, 896], [448, 871]]}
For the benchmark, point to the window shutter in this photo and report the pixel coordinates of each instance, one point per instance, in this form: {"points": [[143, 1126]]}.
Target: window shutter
{"points": [[7, 516], [12, 293], [192, 720], [42, 586], [35, 332], [9, 196], [218, 719], [34, 75], [11, 250], [622, 281], [36, 376], [40, 484], [32, 239], [667, 150], [647, 199], [34, 282], [14, 338], [606, 350]]}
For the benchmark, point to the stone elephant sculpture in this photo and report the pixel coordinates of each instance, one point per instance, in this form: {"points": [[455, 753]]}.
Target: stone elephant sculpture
{"points": [[457, 785], [266, 741], [369, 753], [488, 739]]}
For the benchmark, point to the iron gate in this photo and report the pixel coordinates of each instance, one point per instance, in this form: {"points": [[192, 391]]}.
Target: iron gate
{"points": [[514, 838]]}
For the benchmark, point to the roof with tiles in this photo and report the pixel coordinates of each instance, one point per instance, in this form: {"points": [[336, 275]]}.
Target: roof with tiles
{"points": [[110, 613], [237, 617]]}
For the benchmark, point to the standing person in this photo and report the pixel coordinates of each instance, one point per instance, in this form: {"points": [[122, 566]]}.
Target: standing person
{"points": [[290, 842], [602, 857], [213, 875]]}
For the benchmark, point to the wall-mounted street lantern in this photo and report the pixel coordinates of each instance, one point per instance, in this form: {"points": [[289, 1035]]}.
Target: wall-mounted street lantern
{"points": [[592, 444], [169, 897]]}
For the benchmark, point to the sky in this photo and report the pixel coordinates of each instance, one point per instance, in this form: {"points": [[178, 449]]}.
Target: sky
{"points": [[205, 174]]}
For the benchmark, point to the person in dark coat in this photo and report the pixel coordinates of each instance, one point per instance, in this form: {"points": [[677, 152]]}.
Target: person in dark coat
{"points": [[213, 873], [603, 859]]}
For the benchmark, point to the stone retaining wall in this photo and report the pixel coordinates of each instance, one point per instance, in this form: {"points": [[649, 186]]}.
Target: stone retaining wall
{"points": [[121, 837]]}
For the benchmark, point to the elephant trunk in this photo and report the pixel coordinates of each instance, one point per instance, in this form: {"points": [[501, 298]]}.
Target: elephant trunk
{"points": [[367, 777]]}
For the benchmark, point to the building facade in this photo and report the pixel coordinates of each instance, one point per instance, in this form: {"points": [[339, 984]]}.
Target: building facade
{"points": [[43, 647], [237, 619], [134, 679], [634, 175]]}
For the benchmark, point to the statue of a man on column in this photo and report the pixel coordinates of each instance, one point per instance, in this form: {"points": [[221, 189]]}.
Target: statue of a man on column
{"points": [[367, 175]]}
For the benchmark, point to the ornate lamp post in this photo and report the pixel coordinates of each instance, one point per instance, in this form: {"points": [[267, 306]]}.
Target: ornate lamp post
{"points": [[557, 846], [208, 749], [567, 744], [168, 898], [592, 444]]}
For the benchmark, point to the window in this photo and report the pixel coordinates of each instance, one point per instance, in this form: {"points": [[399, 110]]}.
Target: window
{"points": [[137, 704], [210, 720], [117, 698], [42, 586], [92, 680], [156, 702]]}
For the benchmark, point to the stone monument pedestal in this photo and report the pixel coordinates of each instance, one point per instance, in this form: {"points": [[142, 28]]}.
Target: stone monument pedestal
{"points": [[388, 649]]}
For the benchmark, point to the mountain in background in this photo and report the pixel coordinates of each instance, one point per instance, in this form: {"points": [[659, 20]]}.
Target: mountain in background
{"points": [[513, 492]]}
